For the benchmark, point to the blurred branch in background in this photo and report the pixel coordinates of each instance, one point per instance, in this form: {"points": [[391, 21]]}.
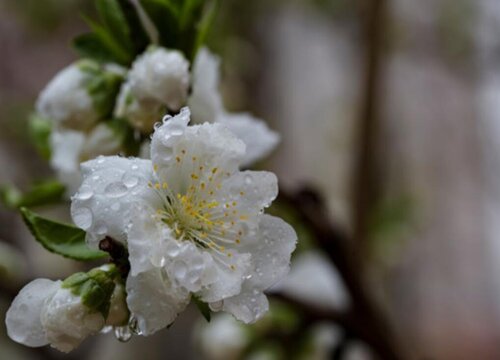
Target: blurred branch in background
{"points": [[365, 320], [366, 190]]}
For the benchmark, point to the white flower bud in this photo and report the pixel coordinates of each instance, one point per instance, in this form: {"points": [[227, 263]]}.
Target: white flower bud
{"points": [[67, 99], [141, 114], [67, 321], [162, 75]]}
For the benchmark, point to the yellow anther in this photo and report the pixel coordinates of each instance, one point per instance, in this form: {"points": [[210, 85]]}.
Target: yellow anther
{"points": [[233, 267], [194, 158], [243, 217], [214, 170], [150, 184], [242, 193], [155, 168], [202, 186], [178, 159], [238, 241], [183, 151], [165, 185], [229, 255], [201, 168], [234, 203], [194, 176], [157, 186]]}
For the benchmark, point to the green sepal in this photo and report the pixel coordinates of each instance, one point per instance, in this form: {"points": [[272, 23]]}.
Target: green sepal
{"points": [[65, 240], [101, 85], [39, 130], [94, 287], [42, 193], [203, 307]]}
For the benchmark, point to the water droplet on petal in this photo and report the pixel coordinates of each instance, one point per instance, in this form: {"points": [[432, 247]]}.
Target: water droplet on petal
{"points": [[116, 189], [134, 167], [83, 217], [123, 333], [130, 180], [84, 193], [133, 325], [217, 305], [248, 179]]}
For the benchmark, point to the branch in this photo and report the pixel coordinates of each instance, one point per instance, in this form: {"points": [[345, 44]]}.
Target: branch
{"points": [[365, 320]]}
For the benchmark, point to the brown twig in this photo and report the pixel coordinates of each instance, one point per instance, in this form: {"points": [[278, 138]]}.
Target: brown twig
{"points": [[365, 320], [366, 182]]}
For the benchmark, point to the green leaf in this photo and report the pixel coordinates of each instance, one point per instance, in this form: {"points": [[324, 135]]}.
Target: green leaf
{"points": [[59, 238], [91, 46], [165, 16], [39, 130], [203, 307], [107, 39], [138, 35], [114, 21], [204, 26], [43, 193]]}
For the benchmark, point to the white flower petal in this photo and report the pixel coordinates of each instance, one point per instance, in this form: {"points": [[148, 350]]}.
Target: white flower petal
{"points": [[153, 301], [253, 190], [313, 279], [23, 317], [162, 75], [179, 150], [205, 101], [248, 306], [66, 102], [271, 251], [111, 186], [67, 322], [146, 240], [258, 138], [66, 147], [228, 280]]}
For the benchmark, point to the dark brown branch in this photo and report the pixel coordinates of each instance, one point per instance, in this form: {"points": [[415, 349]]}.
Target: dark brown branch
{"points": [[366, 182], [365, 320]]}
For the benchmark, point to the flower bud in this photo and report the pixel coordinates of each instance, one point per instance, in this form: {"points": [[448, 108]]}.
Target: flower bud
{"points": [[162, 75], [80, 94], [141, 114]]}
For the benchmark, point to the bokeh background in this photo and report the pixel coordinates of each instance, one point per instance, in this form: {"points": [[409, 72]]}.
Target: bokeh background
{"points": [[421, 101]]}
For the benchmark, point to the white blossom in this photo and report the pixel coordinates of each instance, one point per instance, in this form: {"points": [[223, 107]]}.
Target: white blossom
{"points": [[192, 221], [314, 280], [66, 100], [207, 106], [67, 322], [162, 75], [69, 148], [44, 313]]}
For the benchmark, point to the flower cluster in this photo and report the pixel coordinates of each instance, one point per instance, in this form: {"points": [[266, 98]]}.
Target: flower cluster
{"points": [[83, 98], [194, 227]]}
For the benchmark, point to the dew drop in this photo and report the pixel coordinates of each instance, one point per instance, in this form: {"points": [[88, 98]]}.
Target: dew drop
{"points": [[217, 305], [133, 325], [84, 193], [106, 330], [116, 189], [248, 179], [134, 167], [83, 217], [123, 333], [130, 180]]}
